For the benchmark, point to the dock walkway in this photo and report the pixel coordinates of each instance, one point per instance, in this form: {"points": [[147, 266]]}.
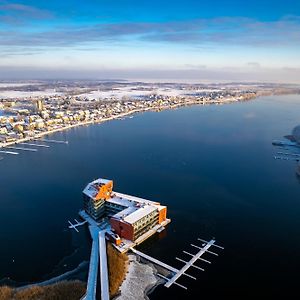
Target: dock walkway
{"points": [[177, 273], [154, 260], [190, 263], [98, 258], [93, 269], [103, 267]]}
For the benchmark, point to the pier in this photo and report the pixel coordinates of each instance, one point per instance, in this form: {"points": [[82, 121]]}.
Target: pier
{"points": [[154, 260], [93, 269], [192, 261], [98, 259], [53, 141], [9, 152], [35, 145], [22, 149], [177, 273], [103, 267], [26, 142], [77, 224]]}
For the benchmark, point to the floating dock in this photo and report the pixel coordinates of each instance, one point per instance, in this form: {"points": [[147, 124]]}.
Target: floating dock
{"points": [[9, 152], [53, 141], [154, 260], [35, 145], [22, 149], [177, 273]]}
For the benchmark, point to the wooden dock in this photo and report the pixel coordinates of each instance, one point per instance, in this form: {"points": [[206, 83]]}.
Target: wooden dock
{"points": [[53, 141], [154, 260], [177, 273], [35, 145], [22, 149], [9, 152]]}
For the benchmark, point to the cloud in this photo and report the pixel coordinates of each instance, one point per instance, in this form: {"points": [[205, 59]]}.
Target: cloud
{"points": [[222, 31], [18, 14]]}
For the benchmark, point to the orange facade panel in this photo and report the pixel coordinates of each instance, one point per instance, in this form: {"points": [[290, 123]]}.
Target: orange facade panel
{"points": [[162, 214], [105, 191]]}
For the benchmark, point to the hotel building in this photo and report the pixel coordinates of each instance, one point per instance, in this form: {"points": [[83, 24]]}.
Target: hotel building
{"points": [[130, 217]]}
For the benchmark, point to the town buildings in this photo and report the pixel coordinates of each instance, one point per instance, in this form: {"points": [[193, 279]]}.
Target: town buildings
{"points": [[29, 119]]}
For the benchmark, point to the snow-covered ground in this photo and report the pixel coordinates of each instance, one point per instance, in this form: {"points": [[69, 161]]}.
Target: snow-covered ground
{"points": [[25, 94], [139, 279], [140, 92], [12, 84]]}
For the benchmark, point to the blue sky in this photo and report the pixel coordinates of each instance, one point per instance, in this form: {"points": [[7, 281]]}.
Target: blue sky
{"points": [[213, 40]]}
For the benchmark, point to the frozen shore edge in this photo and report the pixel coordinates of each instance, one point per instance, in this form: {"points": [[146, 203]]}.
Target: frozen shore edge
{"points": [[139, 282]]}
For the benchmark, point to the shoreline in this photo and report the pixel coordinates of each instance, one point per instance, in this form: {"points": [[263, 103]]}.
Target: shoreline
{"points": [[125, 114], [140, 278], [70, 275]]}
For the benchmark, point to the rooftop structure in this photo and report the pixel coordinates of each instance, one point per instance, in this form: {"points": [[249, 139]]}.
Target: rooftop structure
{"points": [[129, 217]]}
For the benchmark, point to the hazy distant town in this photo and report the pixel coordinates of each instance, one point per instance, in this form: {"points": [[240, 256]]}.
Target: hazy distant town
{"points": [[29, 110]]}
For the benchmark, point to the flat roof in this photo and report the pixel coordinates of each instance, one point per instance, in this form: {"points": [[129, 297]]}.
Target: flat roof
{"points": [[136, 209], [120, 201], [92, 189], [125, 212], [136, 199], [139, 213]]}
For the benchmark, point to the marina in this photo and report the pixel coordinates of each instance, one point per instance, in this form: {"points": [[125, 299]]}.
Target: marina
{"points": [[5, 149], [295, 142]]}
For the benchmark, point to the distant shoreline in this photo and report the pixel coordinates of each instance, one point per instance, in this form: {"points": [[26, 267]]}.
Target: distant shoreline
{"points": [[125, 114]]}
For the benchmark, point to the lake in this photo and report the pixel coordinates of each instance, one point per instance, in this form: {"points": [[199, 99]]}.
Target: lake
{"points": [[212, 166]]}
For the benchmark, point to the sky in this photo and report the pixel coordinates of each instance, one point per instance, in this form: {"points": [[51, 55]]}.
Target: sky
{"points": [[216, 40]]}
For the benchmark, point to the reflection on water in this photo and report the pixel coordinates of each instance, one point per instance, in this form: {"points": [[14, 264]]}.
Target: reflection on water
{"points": [[212, 166]]}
